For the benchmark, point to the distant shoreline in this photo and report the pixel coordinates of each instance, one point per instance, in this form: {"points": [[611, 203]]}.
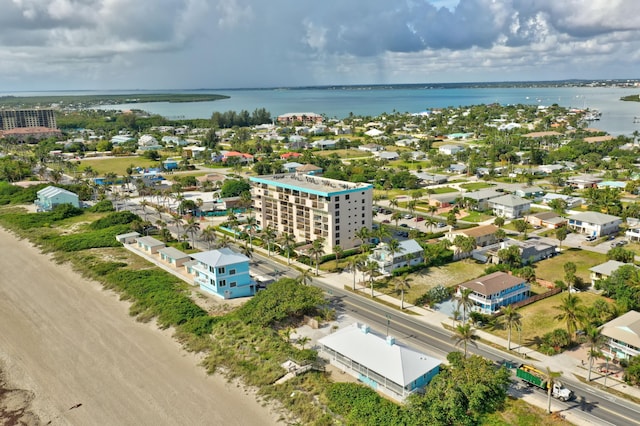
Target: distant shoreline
{"points": [[85, 101]]}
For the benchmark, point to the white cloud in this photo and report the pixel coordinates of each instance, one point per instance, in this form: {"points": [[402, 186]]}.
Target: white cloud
{"points": [[239, 43]]}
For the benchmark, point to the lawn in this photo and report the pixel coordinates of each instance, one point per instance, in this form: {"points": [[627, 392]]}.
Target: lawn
{"points": [[443, 190], [553, 269], [473, 186], [476, 217], [117, 165], [344, 153], [539, 318]]}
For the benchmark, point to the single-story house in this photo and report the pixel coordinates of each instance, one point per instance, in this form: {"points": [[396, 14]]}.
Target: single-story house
{"points": [[623, 334], [594, 223], [550, 168], [378, 361], [241, 156], [324, 144], [51, 196], [528, 191], [149, 244], [387, 155], [605, 270], [407, 142], [431, 179], [484, 235], [446, 199], [531, 251], [450, 149], [571, 202], [584, 181], [128, 238], [493, 291], [633, 234], [309, 169], [509, 206], [170, 164], [479, 200], [374, 133], [291, 167], [409, 253], [173, 256], [289, 155], [371, 147], [458, 168], [547, 219]]}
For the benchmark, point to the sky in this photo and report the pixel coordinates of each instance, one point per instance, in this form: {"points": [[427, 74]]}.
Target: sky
{"points": [[191, 44]]}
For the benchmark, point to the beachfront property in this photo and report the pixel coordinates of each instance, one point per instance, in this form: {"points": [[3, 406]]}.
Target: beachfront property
{"points": [[623, 334], [22, 118], [173, 256], [51, 196], [594, 223], [128, 238], [379, 362], [306, 118], [149, 244], [224, 273], [309, 207], [493, 291], [408, 253], [509, 206]]}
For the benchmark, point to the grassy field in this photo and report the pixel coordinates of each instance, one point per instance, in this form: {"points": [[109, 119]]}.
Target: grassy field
{"points": [[518, 412], [553, 269], [117, 165], [344, 153], [473, 186], [540, 318], [443, 190], [476, 217]]}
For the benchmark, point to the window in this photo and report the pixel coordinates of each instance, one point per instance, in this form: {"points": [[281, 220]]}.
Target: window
{"points": [[337, 198], [232, 271], [346, 197], [363, 222], [337, 206], [221, 270], [337, 228], [362, 208], [222, 283], [337, 220], [337, 236], [233, 284]]}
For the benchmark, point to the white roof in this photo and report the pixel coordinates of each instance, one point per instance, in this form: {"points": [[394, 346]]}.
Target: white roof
{"points": [[52, 191], [396, 362], [625, 328], [509, 201], [409, 246], [609, 267], [596, 218], [220, 257]]}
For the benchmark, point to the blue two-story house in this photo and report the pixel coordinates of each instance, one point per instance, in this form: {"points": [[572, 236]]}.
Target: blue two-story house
{"points": [[223, 273], [493, 291]]}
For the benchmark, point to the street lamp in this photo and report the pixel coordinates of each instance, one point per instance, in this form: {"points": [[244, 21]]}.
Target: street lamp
{"points": [[606, 370]]}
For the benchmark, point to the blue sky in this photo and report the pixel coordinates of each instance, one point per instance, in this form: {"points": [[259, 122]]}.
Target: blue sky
{"points": [[164, 44]]}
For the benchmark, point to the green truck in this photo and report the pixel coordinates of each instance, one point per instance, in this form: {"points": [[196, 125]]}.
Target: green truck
{"points": [[534, 377]]}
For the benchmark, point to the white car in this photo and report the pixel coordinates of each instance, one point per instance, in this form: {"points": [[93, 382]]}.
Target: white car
{"points": [[591, 238]]}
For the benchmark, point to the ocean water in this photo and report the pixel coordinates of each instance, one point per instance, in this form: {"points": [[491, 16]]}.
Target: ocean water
{"points": [[617, 116]]}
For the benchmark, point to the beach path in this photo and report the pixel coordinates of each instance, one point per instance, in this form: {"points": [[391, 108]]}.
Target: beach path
{"points": [[75, 347]]}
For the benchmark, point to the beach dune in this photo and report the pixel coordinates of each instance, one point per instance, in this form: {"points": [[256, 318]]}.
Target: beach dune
{"points": [[74, 347]]}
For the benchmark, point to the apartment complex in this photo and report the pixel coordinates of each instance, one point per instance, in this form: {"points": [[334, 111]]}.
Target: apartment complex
{"points": [[309, 207], [15, 119]]}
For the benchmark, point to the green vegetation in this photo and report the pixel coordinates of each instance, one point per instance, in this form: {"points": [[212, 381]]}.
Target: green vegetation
{"points": [[91, 100], [553, 269], [117, 165], [474, 186]]}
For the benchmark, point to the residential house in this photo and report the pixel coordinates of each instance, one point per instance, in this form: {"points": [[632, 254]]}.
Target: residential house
{"points": [[605, 270], [633, 234], [493, 291], [324, 144], [170, 164], [374, 133], [241, 156], [531, 251], [149, 244], [528, 191], [288, 156], [378, 361], [291, 167], [409, 253], [550, 168], [458, 168], [430, 178], [571, 202], [446, 199], [484, 235], [128, 238], [509, 206], [548, 219], [623, 334], [307, 118], [309, 169], [409, 142], [371, 147], [387, 155], [594, 223], [479, 200], [148, 142], [584, 181], [450, 149], [173, 256], [224, 273], [51, 196]]}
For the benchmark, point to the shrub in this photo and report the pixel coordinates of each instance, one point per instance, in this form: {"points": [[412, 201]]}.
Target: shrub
{"points": [[102, 206], [116, 218]]}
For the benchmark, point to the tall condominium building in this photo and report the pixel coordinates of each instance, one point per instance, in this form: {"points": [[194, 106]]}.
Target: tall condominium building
{"points": [[15, 119], [309, 207]]}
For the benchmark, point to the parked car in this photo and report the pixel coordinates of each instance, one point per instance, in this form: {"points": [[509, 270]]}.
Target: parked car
{"points": [[408, 216], [441, 225], [386, 221], [419, 219], [404, 225], [591, 238]]}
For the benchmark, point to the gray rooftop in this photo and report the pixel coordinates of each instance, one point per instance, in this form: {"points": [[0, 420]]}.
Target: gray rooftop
{"points": [[220, 257], [173, 253], [609, 267], [510, 201], [596, 218]]}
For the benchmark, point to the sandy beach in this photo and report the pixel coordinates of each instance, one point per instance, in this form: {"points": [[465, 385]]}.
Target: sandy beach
{"points": [[75, 356]]}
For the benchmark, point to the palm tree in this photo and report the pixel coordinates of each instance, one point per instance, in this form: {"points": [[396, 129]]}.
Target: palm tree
{"points": [[595, 341], [247, 251], [302, 341], [316, 250], [511, 318], [338, 252], [250, 227], [353, 264], [403, 283], [287, 242], [570, 312], [464, 334], [176, 220], [305, 277], [393, 203], [192, 227], [371, 267], [464, 302], [209, 235], [363, 235], [396, 216], [550, 377], [269, 235], [144, 204]]}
